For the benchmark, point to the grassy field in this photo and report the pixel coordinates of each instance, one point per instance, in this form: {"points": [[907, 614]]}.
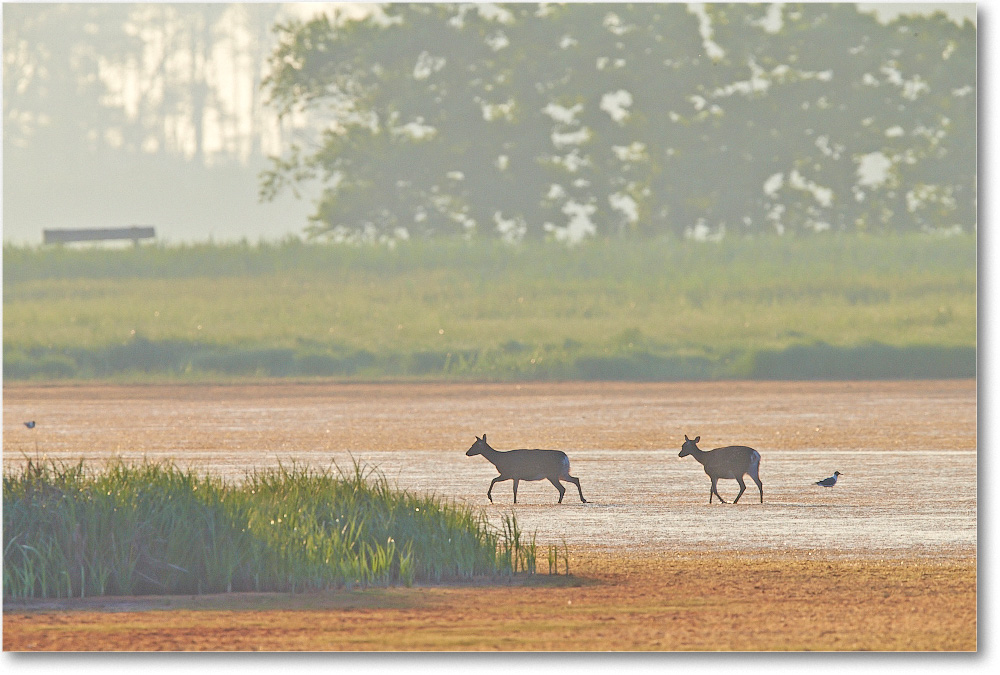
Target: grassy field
{"points": [[788, 308]]}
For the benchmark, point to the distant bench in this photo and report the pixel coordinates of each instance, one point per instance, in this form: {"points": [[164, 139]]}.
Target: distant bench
{"points": [[135, 233]]}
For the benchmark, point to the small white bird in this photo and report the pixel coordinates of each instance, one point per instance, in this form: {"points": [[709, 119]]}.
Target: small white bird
{"points": [[829, 482]]}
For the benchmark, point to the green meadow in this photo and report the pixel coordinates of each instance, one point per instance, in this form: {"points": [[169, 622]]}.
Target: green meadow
{"points": [[824, 306]]}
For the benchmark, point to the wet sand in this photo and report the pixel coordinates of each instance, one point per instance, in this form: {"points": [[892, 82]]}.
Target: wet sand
{"points": [[907, 452]]}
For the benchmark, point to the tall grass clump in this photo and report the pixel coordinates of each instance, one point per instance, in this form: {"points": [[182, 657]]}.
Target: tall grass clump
{"points": [[153, 528]]}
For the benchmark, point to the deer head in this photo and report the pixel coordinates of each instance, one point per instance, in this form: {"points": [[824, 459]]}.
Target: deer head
{"points": [[478, 447], [689, 447]]}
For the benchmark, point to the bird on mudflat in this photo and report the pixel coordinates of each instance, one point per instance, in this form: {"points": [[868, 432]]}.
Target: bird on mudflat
{"points": [[829, 482], [30, 425]]}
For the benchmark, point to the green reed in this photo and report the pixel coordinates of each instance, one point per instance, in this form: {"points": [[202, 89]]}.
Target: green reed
{"points": [[153, 528], [555, 554]]}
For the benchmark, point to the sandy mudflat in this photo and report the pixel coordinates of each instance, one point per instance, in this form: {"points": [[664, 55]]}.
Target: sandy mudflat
{"points": [[884, 560], [907, 451]]}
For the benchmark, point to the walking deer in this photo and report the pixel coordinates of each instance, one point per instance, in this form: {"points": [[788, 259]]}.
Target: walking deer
{"points": [[734, 461], [518, 465]]}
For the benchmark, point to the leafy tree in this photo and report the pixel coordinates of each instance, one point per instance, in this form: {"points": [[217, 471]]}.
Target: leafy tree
{"points": [[531, 121]]}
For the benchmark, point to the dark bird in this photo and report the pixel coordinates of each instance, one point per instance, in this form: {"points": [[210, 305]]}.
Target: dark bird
{"points": [[30, 425], [829, 482]]}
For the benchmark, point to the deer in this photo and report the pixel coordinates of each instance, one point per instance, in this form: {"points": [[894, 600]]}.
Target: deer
{"points": [[518, 465], [734, 461]]}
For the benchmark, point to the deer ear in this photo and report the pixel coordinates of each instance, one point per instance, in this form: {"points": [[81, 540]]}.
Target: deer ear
{"points": [[697, 438]]}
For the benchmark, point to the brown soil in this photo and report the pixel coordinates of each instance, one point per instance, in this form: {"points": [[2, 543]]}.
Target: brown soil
{"points": [[884, 561], [690, 601]]}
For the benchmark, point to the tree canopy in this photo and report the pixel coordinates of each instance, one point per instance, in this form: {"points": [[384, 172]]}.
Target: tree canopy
{"points": [[527, 121]]}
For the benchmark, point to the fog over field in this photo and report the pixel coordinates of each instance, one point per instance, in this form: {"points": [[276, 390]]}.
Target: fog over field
{"points": [[763, 119], [382, 231]]}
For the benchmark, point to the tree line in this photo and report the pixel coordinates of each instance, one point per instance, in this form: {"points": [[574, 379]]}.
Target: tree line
{"points": [[528, 121], [517, 121]]}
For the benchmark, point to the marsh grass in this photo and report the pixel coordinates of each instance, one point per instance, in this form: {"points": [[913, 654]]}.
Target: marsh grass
{"points": [[658, 309], [152, 528], [557, 555]]}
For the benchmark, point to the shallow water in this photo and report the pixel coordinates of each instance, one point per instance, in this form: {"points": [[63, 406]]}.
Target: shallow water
{"points": [[907, 452], [883, 502]]}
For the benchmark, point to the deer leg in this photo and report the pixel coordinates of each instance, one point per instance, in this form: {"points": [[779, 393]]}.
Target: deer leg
{"points": [[516, 481], [562, 490], [743, 487], [715, 489], [495, 481], [755, 474], [576, 481]]}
